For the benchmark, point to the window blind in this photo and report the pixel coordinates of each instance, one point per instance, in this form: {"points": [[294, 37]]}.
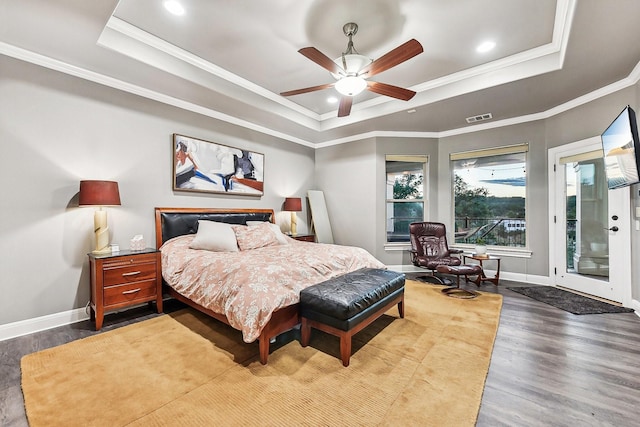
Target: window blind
{"points": [[509, 149]]}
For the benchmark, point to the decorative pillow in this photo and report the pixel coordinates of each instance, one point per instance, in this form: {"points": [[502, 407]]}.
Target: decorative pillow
{"points": [[255, 237], [215, 236], [282, 239]]}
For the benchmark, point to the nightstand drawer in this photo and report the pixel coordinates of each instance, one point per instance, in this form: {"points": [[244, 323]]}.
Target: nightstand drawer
{"points": [[129, 293], [123, 261], [134, 272]]}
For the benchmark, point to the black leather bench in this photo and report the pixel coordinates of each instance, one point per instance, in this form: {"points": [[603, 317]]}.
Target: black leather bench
{"points": [[345, 305]]}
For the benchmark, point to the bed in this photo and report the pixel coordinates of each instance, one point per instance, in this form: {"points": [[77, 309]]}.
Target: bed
{"points": [[255, 290]]}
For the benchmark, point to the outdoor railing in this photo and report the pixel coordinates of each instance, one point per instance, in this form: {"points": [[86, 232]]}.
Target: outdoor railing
{"points": [[498, 232], [494, 231]]}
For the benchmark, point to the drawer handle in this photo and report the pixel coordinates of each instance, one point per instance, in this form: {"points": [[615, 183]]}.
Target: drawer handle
{"points": [[133, 273], [132, 291]]}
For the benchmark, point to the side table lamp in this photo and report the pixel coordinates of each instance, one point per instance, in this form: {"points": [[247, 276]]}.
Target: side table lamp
{"points": [[101, 194], [293, 205]]}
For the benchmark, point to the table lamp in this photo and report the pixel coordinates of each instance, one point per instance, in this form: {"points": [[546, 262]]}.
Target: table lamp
{"points": [[101, 194], [293, 205]]}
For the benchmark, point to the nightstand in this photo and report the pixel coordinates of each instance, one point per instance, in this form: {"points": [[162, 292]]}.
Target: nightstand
{"points": [[122, 279], [305, 237]]}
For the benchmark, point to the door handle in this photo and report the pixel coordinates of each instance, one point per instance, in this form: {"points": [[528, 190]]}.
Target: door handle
{"points": [[614, 228]]}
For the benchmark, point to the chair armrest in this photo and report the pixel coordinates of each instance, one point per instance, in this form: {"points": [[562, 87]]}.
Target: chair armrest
{"points": [[456, 251]]}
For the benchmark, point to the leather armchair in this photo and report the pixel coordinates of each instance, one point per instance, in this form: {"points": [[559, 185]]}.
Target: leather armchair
{"points": [[429, 247]]}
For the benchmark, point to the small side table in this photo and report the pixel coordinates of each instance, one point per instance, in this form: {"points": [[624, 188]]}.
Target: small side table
{"points": [[481, 258]]}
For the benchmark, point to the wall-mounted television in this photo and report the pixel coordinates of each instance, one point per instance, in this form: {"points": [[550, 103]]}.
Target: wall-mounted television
{"points": [[622, 150]]}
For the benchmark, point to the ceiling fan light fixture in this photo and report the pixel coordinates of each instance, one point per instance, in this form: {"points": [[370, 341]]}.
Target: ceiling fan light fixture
{"points": [[352, 69], [352, 64], [351, 85]]}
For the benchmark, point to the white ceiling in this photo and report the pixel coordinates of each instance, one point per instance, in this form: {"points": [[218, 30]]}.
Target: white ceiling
{"points": [[231, 59]]}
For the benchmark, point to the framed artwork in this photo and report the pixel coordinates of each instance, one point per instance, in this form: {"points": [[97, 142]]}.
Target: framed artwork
{"points": [[208, 167]]}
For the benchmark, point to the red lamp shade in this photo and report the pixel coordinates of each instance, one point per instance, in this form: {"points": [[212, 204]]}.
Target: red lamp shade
{"points": [[99, 193], [293, 204]]}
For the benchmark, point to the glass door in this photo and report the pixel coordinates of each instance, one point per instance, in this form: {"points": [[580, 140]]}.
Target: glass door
{"points": [[591, 229], [587, 208]]}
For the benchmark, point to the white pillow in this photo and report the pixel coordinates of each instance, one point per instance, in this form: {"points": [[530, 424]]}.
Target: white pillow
{"points": [[215, 236], [282, 239]]}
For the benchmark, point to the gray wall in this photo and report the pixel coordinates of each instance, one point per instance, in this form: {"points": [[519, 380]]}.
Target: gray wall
{"points": [[353, 179], [367, 156], [56, 130], [346, 176]]}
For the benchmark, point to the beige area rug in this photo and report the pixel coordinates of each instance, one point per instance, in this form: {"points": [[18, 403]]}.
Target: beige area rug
{"points": [[186, 369]]}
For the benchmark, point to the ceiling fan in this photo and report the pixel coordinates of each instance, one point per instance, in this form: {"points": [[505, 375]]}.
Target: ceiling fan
{"points": [[351, 71]]}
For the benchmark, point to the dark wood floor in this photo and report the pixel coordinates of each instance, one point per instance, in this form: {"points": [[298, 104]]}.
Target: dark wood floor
{"points": [[549, 367]]}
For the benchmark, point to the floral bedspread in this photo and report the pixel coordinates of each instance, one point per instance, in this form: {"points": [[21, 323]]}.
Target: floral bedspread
{"points": [[248, 286]]}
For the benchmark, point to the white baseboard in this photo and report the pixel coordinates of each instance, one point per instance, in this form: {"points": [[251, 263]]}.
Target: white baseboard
{"points": [[29, 326], [635, 304], [506, 275]]}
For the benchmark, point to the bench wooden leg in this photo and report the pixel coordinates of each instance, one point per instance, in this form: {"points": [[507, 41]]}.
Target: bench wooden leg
{"points": [[305, 332], [345, 348]]}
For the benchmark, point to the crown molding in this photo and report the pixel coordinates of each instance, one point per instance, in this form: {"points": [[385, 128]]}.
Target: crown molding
{"points": [[57, 65], [131, 41]]}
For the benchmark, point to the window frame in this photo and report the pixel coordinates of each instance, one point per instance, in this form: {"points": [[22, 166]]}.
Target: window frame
{"points": [[515, 251], [408, 158]]}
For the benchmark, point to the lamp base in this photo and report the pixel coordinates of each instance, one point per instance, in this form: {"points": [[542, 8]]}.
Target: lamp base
{"points": [[102, 232], [104, 251], [294, 224]]}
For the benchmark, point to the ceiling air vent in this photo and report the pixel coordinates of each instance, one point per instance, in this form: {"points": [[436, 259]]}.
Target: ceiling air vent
{"points": [[479, 118]]}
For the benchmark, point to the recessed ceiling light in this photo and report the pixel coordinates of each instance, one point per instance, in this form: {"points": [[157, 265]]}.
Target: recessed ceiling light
{"points": [[413, 110], [485, 46], [332, 100], [174, 7]]}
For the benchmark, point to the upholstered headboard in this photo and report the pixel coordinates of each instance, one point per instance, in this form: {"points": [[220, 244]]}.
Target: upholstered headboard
{"points": [[173, 222]]}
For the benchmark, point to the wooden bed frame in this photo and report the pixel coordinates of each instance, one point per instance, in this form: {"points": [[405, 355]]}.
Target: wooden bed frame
{"points": [[172, 222]]}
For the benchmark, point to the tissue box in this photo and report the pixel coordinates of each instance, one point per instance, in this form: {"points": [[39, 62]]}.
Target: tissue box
{"points": [[137, 243]]}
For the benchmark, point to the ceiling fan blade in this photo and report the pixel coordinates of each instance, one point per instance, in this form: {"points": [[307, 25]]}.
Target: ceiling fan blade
{"points": [[345, 106], [390, 90], [321, 59], [307, 89], [397, 56]]}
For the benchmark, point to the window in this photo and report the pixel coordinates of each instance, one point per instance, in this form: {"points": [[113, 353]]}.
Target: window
{"points": [[490, 189], [405, 176]]}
